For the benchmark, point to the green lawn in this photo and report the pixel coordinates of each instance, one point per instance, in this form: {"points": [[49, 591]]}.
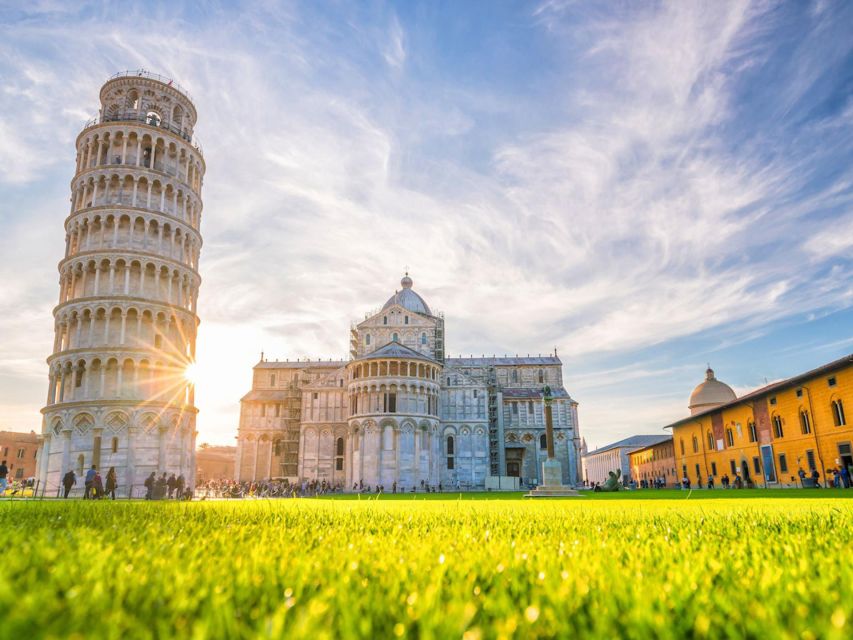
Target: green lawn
{"points": [[634, 565], [644, 494]]}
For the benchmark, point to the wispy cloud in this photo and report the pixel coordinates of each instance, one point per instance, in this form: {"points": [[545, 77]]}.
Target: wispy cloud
{"points": [[604, 178]]}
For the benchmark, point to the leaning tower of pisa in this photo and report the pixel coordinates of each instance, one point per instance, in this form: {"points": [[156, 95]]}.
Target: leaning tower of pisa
{"points": [[126, 320]]}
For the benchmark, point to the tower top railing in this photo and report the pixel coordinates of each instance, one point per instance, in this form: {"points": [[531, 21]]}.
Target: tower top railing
{"points": [[135, 116], [142, 73]]}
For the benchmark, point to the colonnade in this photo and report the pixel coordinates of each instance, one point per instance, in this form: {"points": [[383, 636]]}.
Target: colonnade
{"points": [[112, 378], [382, 368], [133, 327], [150, 279], [391, 398], [129, 146]]}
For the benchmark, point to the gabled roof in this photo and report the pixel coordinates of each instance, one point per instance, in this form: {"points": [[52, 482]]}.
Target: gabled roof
{"points": [[270, 395], [652, 446], [396, 350], [634, 442]]}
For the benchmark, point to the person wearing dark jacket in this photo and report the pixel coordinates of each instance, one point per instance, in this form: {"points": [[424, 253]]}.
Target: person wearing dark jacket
{"points": [[171, 483], [180, 484], [112, 483], [149, 486], [68, 481]]}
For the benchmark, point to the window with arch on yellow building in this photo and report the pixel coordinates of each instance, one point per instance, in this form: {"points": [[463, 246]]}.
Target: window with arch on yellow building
{"points": [[838, 413], [805, 423], [778, 432]]}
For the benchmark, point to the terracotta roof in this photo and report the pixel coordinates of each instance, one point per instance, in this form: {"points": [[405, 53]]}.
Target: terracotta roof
{"points": [[635, 442]]}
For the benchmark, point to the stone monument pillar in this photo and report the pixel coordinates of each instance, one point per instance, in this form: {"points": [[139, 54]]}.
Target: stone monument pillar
{"points": [[552, 471]]}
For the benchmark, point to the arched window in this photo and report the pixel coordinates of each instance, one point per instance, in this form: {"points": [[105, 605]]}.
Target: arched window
{"points": [[133, 100], [753, 434], [541, 375], [450, 452], [730, 437], [153, 118], [384, 319], [777, 427], [367, 340], [339, 455], [838, 413], [406, 320], [395, 337], [514, 375], [805, 423], [543, 441], [711, 441], [423, 338], [115, 445], [695, 444]]}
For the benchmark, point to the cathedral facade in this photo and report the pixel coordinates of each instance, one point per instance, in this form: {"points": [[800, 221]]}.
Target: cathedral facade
{"points": [[399, 412]]}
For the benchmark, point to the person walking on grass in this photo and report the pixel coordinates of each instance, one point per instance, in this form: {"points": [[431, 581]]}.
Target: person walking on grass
{"points": [[68, 481], [112, 483], [88, 482], [4, 471]]}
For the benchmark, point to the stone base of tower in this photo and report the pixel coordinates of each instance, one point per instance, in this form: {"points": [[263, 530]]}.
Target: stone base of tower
{"points": [[133, 441]]}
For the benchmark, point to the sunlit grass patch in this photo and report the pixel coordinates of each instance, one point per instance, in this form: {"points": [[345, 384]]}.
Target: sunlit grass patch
{"points": [[429, 568]]}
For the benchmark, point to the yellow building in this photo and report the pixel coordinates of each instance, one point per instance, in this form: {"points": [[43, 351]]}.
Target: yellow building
{"points": [[765, 437]]}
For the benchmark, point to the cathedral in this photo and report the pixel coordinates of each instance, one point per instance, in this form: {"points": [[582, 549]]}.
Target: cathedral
{"points": [[399, 412]]}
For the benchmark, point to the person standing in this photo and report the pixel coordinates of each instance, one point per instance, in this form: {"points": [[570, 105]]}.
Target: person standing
{"points": [[68, 481], [88, 481], [171, 483], [149, 486], [97, 486], [180, 484], [112, 482], [4, 471]]}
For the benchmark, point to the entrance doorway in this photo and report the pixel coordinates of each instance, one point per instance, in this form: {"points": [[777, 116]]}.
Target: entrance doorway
{"points": [[514, 461], [846, 455]]}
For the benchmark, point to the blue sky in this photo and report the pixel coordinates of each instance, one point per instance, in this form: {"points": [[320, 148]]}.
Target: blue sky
{"points": [[647, 186]]}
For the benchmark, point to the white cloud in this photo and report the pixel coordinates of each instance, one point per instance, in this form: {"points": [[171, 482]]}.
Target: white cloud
{"points": [[625, 220]]}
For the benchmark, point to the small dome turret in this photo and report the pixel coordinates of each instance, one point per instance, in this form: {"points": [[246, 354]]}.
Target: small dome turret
{"points": [[711, 393]]}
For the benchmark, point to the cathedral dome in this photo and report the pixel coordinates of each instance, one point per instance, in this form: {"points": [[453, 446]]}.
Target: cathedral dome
{"points": [[407, 298], [709, 394]]}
